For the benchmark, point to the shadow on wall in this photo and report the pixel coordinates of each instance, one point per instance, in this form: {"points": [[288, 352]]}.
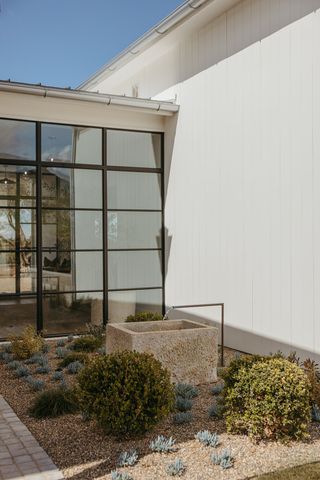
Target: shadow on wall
{"points": [[245, 24], [235, 337]]}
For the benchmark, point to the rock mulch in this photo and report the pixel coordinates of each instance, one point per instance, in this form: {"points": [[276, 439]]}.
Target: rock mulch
{"points": [[81, 450]]}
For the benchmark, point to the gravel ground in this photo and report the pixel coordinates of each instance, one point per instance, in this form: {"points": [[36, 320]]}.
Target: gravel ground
{"points": [[83, 452]]}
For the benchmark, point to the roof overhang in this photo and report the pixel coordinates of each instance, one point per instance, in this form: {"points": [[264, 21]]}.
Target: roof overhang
{"points": [[190, 15], [140, 104]]}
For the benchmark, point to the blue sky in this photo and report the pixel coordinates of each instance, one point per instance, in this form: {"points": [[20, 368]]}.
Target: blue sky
{"points": [[62, 42]]}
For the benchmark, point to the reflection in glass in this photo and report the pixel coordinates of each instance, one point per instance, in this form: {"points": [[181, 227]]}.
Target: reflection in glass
{"points": [[63, 143], [134, 269], [17, 229], [70, 271], [18, 272], [71, 188], [134, 230], [133, 149], [17, 186], [65, 229], [17, 140], [71, 312], [125, 303], [16, 314], [135, 191]]}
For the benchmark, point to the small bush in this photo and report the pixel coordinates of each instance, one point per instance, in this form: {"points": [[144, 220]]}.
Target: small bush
{"points": [[26, 344], [61, 352], [102, 351], [43, 370], [61, 342], [70, 338], [176, 468], [127, 459], [35, 384], [87, 343], [207, 438], [185, 390], [74, 367], [216, 410], [54, 402], [45, 347], [14, 365], [315, 413], [267, 398], [73, 357], [183, 404], [115, 475], [126, 392], [22, 371], [312, 372], [224, 459], [7, 357], [57, 376], [163, 444], [182, 417], [144, 317]]}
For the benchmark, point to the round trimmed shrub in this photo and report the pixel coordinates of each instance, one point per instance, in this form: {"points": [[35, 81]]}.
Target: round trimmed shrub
{"points": [[126, 392], [267, 398]]}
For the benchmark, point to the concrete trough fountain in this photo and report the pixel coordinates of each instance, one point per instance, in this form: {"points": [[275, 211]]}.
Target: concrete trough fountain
{"points": [[189, 350]]}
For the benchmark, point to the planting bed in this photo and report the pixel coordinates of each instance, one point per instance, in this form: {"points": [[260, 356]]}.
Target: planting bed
{"points": [[81, 450]]}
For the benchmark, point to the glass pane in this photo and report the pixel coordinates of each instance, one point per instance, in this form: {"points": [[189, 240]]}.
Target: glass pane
{"points": [[16, 314], [63, 143], [17, 140], [17, 186], [17, 228], [133, 149], [134, 269], [125, 303], [18, 272], [71, 188], [131, 190], [70, 271], [65, 230], [134, 230], [71, 312]]}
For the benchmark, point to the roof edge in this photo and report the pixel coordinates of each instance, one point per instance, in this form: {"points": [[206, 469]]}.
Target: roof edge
{"points": [[184, 11], [154, 106]]}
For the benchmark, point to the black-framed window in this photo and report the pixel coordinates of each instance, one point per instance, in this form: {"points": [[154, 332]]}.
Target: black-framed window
{"points": [[81, 225]]}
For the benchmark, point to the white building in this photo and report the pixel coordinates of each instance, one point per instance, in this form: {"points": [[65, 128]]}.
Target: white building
{"points": [[235, 89]]}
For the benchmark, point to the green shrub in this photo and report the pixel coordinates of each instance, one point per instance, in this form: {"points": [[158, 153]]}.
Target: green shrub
{"points": [[183, 404], [126, 392], [54, 402], [267, 398], [312, 372], [182, 417], [87, 343], [26, 344], [185, 390], [73, 357], [144, 317], [74, 367]]}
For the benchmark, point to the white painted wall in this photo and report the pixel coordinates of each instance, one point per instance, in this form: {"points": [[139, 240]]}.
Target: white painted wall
{"points": [[243, 170]]}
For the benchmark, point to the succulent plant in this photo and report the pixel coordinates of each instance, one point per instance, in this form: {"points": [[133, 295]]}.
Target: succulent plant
{"points": [[70, 338], [185, 390], [101, 351], [46, 347], [207, 438], [61, 352], [163, 444], [115, 475], [182, 417], [183, 404], [176, 468], [315, 413], [61, 342], [224, 459], [43, 369], [22, 371], [37, 359], [7, 357], [14, 364], [35, 384], [217, 409], [74, 367], [217, 389], [57, 376], [127, 459]]}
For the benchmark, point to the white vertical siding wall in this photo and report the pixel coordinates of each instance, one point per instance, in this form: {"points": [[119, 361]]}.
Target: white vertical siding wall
{"points": [[243, 170]]}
